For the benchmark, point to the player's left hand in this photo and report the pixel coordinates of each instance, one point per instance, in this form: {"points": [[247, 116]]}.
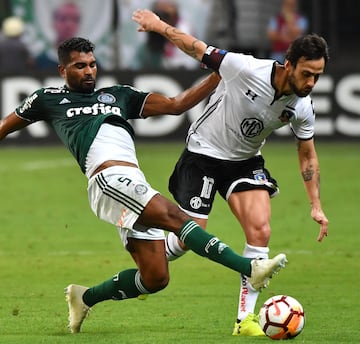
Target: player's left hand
{"points": [[319, 216], [146, 19]]}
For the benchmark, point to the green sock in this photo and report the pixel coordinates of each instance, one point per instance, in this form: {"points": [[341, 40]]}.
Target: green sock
{"points": [[126, 284], [207, 245]]}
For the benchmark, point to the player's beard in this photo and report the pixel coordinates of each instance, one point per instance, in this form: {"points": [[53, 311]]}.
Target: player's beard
{"points": [[87, 85], [299, 92], [82, 86]]}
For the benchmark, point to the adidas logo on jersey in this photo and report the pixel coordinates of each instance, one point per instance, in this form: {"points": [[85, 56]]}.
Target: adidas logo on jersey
{"points": [[65, 101]]}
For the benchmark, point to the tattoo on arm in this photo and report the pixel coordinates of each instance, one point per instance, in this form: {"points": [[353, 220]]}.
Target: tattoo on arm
{"points": [[308, 174], [174, 35]]}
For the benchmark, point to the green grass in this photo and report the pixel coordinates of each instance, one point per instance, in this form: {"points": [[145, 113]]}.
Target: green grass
{"points": [[49, 238]]}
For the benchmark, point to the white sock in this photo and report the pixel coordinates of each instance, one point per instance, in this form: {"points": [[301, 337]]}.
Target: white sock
{"points": [[172, 247], [248, 296]]}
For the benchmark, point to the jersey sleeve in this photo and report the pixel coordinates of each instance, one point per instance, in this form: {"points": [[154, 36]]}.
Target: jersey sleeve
{"points": [[30, 108], [135, 102], [235, 64], [303, 125], [228, 64]]}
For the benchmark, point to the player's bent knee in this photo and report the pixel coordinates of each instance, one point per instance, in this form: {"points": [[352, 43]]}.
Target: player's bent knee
{"points": [[155, 284]]}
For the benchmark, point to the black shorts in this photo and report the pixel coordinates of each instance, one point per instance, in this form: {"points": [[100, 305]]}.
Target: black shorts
{"points": [[196, 179]]}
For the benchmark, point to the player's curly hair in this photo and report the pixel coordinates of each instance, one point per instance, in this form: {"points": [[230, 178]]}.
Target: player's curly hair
{"points": [[73, 44], [310, 47]]}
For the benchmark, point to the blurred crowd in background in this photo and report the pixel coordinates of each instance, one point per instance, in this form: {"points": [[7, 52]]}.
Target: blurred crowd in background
{"points": [[32, 29]]}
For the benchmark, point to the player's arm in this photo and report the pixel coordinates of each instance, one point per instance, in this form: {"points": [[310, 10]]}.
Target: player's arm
{"points": [[11, 123], [149, 21], [208, 55], [310, 171], [157, 104]]}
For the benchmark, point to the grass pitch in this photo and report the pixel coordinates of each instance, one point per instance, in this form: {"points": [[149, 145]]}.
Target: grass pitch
{"points": [[50, 238]]}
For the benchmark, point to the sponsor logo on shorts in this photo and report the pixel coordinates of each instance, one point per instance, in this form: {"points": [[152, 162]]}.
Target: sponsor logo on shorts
{"points": [[260, 177], [195, 202], [141, 189]]}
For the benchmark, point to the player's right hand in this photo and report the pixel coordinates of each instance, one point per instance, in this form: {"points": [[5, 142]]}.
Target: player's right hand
{"points": [[146, 19]]}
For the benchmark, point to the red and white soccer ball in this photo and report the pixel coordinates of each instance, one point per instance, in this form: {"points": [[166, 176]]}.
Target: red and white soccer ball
{"points": [[282, 317]]}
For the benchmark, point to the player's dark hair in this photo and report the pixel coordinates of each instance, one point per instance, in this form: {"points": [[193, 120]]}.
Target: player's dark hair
{"points": [[310, 47], [73, 44]]}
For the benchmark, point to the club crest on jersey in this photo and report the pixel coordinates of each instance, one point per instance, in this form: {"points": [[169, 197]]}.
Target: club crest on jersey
{"points": [[106, 98], [251, 127], [286, 116]]}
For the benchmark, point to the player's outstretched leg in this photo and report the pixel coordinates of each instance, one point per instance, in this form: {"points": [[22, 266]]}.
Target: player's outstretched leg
{"points": [[77, 308], [207, 245], [263, 269]]}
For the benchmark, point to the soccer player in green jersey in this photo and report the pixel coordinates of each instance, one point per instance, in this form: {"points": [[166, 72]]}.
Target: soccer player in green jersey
{"points": [[92, 123]]}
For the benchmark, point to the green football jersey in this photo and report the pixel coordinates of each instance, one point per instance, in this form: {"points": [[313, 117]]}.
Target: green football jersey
{"points": [[77, 117]]}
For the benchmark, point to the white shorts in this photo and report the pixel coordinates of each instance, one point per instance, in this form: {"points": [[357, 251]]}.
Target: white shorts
{"points": [[118, 195]]}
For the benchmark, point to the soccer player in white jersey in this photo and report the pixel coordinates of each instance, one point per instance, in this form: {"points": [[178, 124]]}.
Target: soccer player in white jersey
{"points": [[223, 147]]}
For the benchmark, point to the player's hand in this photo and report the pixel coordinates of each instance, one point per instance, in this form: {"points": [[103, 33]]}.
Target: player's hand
{"points": [[146, 19], [319, 216]]}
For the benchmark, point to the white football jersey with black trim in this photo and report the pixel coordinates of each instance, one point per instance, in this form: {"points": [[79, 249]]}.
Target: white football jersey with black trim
{"points": [[243, 111]]}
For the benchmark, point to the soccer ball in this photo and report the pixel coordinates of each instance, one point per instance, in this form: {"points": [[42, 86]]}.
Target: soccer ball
{"points": [[282, 317]]}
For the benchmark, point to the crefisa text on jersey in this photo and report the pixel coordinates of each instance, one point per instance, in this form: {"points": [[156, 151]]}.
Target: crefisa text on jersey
{"points": [[96, 109]]}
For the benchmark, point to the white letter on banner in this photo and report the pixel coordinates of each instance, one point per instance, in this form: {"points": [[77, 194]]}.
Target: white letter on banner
{"points": [[159, 126], [347, 97], [324, 124], [13, 90]]}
